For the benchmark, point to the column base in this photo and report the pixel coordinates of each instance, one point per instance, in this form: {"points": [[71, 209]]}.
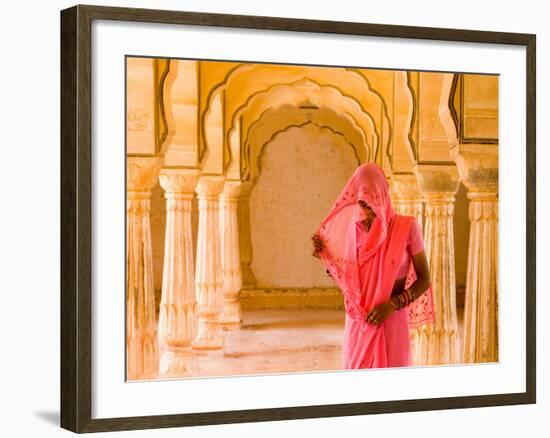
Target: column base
{"points": [[175, 343], [210, 336], [231, 325], [177, 325], [142, 358], [207, 344], [230, 319], [178, 362], [432, 346]]}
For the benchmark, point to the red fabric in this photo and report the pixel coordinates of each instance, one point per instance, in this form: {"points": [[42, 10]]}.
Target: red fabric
{"points": [[366, 278]]}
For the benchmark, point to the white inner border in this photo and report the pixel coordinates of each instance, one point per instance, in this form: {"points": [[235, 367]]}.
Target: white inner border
{"points": [[113, 397]]}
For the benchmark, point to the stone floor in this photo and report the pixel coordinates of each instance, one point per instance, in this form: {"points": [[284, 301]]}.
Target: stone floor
{"points": [[269, 341]]}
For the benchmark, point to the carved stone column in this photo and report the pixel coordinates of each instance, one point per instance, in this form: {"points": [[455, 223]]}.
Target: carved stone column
{"points": [[141, 324], [208, 277], [478, 166], [406, 196], [245, 239], [231, 262], [439, 343], [177, 316]]}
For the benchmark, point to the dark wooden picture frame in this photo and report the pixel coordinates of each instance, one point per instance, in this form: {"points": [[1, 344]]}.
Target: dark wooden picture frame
{"points": [[76, 218]]}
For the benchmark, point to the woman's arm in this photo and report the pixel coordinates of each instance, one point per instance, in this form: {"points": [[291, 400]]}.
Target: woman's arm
{"points": [[422, 269], [422, 282], [382, 311]]}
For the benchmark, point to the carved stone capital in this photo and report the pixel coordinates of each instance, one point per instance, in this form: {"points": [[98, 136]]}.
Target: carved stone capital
{"points": [[179, 181], [437, 179], [405, 187], [477, 165], [443, 207], [232, 189], [210, 186], [483, 209], [142, 172]]}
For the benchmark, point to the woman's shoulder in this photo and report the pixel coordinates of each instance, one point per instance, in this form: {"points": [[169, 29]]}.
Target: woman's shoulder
{"points": [[412, 223], [407, 218], [415, 240]]}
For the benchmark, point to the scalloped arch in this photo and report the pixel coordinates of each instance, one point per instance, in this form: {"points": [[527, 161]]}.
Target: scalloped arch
{"points": [[275, 120], [287, 128], [246, 79], [306, 92]]}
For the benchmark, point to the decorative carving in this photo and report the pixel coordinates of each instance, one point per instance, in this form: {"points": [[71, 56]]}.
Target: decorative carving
{"points": [[406, 196], [139, 120], [179, 181], [280, 94], [141, 173], [477, 165], [178, 362]]}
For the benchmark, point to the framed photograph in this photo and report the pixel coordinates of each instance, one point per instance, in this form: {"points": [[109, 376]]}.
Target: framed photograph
{"points": [[269, 218]]}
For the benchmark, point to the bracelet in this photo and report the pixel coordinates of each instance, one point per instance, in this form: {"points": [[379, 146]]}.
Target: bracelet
{"points": [[409, 296], [401, 298], [404, 299]]}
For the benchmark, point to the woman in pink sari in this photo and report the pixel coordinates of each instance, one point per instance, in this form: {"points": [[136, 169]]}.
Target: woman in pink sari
{"points": [[377, 259]]}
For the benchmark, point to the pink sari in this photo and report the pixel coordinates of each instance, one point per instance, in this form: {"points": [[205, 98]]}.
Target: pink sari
{"points": [[367, 279]]}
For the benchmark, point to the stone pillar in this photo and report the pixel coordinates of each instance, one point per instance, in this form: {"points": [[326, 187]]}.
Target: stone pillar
{"points": [[141, 324], [245, 239], [177, 316], [439, 343], [406, 196], [208, 277], [231, 262], [478, 167]]}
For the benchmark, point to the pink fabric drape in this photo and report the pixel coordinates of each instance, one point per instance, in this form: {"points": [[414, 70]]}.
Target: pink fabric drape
{"points": [[367, 279]]}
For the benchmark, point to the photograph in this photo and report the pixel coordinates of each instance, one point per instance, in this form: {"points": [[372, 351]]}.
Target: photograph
{"points": [[299, 218], [275, 219], [268, 218]]}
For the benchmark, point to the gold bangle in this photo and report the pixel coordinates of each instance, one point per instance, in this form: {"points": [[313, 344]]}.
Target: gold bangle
{"points": [[404, 298], [409, 296], [401, 300], [413, 297]]}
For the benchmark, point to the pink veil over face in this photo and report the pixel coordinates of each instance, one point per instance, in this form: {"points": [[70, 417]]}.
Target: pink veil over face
{"points": [[381, 252]]}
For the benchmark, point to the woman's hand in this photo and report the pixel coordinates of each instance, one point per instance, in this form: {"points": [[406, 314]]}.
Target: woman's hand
{"points": [[379, 313], [317, 245]]}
